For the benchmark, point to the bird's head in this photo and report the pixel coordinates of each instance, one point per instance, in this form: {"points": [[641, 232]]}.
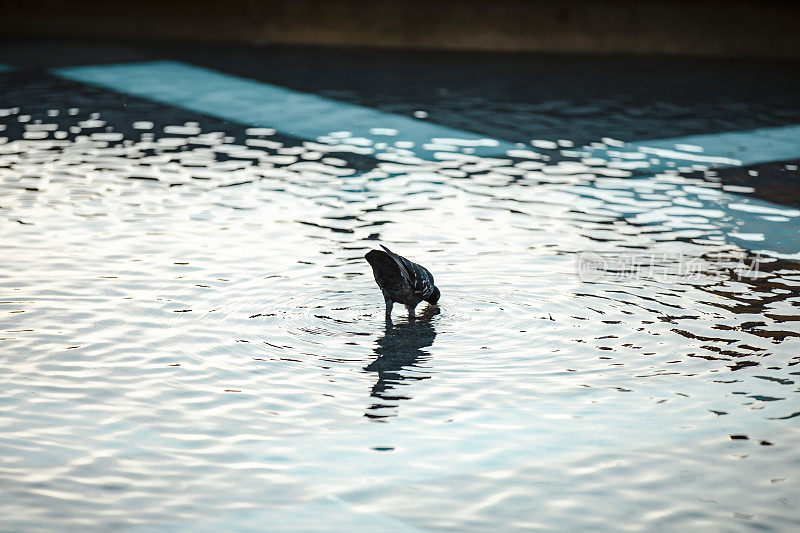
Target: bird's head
{"points": [[434, 297]]}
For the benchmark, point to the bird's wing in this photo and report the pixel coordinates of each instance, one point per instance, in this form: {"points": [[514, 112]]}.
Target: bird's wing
{"points": [[418, 277], [424, 283], [404, 264]]}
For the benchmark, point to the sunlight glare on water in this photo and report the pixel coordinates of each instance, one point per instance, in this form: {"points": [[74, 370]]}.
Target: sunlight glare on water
{"points": [[191, 336]]}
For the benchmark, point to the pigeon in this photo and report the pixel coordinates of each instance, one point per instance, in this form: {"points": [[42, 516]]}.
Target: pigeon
{"points": [[401, 280]]}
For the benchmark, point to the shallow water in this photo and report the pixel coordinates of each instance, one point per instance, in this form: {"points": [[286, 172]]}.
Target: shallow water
{"points": [[192, 339]]}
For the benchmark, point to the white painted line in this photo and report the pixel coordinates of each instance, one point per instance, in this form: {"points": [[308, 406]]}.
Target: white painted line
{"points": [[311, 117], [293, 113], [715, 150]]}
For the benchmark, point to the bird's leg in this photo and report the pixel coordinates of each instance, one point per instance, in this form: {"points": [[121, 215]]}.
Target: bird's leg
{"points": [[410, 313], [389, 304]]}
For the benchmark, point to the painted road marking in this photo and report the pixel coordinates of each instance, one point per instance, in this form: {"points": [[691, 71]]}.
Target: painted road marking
{"points": [[293, 113], [312, 117], [715, 150]]}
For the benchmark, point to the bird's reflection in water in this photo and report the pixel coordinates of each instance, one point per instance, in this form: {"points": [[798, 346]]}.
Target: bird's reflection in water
{"points": [[401, 357]]}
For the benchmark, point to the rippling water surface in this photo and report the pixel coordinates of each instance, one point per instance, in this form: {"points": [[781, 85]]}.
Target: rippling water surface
{"points": [[192, 339]]}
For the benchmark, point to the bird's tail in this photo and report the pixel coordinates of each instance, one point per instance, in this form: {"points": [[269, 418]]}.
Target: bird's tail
{"points": [[384, 267]]}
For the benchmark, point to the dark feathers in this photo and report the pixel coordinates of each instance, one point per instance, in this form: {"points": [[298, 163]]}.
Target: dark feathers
{"points": [[401, 280]]}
